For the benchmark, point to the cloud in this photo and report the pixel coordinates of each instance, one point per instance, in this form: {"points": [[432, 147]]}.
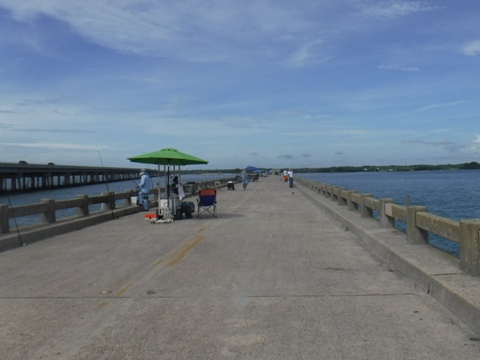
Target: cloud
{"points": [[285, 156], [70, 131], [471, 49], [256, 154], [435, 106], [306, 155], [306, 55], [446, 144], [56, 146], [399, 68], [207, 31], [389, 9], [238, 122], [477, 140]]}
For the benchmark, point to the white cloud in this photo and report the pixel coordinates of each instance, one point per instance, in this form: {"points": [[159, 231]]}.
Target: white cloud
{"points": [[447, 145], [306, 55], [56, 146], [435, 106], [477, 140], [399, 68], [472, 48], [389, 9], [193, 30]]}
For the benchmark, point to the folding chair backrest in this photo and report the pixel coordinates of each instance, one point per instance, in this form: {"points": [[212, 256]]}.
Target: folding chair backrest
{"points": [[207, 196]]}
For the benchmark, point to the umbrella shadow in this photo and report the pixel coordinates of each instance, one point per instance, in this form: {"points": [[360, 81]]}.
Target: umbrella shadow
{"points": [[221, 215]]}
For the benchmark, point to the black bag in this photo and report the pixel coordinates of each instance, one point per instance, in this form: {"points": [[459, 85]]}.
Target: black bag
{"points": [[187, 207]]}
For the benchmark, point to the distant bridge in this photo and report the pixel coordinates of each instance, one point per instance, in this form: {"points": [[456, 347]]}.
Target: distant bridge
{"points": [[24, 177]]}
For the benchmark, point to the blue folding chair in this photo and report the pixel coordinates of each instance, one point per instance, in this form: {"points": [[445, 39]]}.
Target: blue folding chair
{"points": [[207, 202]]}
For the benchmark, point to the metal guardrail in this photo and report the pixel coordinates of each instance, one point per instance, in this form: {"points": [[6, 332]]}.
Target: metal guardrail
{"points": [[418, 222]]}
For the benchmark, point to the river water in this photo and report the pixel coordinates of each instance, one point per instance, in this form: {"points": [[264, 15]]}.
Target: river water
{"points": [[449, 194]]}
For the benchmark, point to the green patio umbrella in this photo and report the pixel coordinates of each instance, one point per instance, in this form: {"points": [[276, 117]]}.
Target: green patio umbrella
{"points": [[167, 157]]}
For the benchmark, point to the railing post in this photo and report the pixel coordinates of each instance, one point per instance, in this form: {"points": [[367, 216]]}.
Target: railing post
{"points": [[128, 200], [194, 189], [340, 199], [83, 209], [365, 212], [4, 219], [350, 204], [333, 189], [415, 235], [48, 217], [470, 246], [328, 190], [110, 204], [386, 219]]}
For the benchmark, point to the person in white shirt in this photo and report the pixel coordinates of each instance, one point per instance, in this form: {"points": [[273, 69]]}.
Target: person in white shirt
{"points": [[145, 187], [245, 179], [290, 178]]}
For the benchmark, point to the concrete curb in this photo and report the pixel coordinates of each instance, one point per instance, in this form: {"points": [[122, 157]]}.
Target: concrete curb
{"points": [[432, 270], [42, 232]]}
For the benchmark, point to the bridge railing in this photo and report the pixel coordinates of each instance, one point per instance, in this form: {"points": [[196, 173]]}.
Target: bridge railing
{"points": [[418, 222], [82, 205]]}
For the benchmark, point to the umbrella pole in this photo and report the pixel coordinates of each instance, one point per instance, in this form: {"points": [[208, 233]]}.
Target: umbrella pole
{"points": [[168, 186], [159, 186]]}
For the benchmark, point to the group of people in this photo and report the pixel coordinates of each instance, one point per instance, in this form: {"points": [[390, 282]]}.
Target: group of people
{"points": [[145, 185], [288, 176]]}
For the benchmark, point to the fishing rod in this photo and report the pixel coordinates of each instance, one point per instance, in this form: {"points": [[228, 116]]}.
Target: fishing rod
{"points": [[111, 201], [15, 221]]}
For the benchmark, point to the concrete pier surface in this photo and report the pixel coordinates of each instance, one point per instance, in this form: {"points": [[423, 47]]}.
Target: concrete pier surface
{"points": [[273, 277]]}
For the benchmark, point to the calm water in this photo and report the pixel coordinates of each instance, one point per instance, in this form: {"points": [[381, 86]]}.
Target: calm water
{"points": [[450, 194]]}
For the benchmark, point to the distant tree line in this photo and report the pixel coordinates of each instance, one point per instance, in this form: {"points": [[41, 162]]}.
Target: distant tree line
{"points": [[371, 168], [365, 168]]}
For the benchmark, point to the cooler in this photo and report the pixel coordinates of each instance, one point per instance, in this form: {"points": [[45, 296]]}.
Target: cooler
{"points": [[165, 209]]}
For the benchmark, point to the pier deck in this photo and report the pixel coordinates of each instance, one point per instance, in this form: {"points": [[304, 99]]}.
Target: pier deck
{"points": [[273, 277]]}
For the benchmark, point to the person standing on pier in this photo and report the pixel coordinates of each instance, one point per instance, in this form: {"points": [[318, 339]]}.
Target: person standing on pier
{"points": [[290, 178], [245, 179], [145, 187]]}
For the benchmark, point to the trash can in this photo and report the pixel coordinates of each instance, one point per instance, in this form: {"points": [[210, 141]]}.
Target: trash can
{"points": [[190, 188]]}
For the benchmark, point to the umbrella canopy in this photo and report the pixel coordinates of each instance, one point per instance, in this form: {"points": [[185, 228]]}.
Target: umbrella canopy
{"points": [[168, 156], [252, 168]]}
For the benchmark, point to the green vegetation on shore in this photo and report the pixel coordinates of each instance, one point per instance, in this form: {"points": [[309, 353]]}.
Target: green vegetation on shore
{"points": [[372, 168], [366, 168]]}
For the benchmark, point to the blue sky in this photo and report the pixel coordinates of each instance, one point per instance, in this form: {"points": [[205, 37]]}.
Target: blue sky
{"points": [[268, 83]]}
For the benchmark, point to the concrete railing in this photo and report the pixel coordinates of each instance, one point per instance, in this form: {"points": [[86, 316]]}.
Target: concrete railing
{"points": [[111, 205], [418, 222]]}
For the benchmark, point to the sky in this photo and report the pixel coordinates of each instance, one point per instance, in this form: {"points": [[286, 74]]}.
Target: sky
{"points": [[267, 83]]}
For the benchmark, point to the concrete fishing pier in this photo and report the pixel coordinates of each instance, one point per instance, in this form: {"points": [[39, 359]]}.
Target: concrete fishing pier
{"points": [[273, 277]]}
